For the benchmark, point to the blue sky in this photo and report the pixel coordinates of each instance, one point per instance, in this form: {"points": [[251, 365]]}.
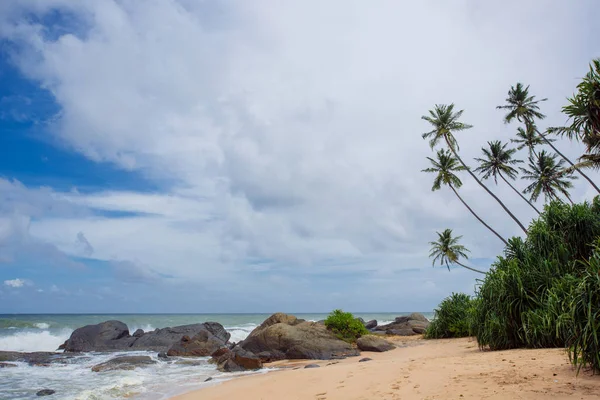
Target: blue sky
{"points": [[189, 156]]}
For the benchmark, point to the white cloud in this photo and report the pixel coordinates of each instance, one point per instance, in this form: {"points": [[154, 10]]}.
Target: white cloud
{"points": [[290, 131], [15, 283]]}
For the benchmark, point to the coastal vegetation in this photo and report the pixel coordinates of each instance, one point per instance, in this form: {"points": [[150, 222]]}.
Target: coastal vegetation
{"points": [[544, 290], [345, 326]]}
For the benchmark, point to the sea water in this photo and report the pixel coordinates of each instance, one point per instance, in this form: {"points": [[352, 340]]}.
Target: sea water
{"points": [[72, 378]]}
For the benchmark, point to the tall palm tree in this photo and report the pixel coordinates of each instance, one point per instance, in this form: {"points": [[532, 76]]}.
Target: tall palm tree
{"points": [[584, 112], [447, 250], [445, 166], [524, 108], [498, 162], [527, 138], [548, 177], [445, 123]]}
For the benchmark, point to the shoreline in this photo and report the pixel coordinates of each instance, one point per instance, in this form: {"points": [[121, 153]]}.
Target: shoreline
{"points": [[417, 369]]}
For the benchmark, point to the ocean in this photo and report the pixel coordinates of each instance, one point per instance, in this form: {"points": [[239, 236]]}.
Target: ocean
{"points": [[73, 378]]}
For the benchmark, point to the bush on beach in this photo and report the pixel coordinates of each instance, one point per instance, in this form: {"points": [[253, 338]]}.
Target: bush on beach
{"points": [[452, 318], [345, 325]]}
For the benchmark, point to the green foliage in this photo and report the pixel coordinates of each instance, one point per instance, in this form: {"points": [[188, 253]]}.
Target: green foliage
{"points": [[545, 290], [452, 318], [345, 326]]}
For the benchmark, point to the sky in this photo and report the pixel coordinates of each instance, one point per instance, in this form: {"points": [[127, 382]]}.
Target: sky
{"points": [[235, 156]]}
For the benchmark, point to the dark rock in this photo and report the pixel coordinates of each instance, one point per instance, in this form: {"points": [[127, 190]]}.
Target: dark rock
{"points": [[312, 366], [219, 352], [40, 358], [237, 360], [62, 346], [208, 379], [373, 343], [371, 324], [163, 355], [45, 392], [284, 336], [202, 345], [138, 333], [123, 363], [413, 324], [164, 339], [365, 359], [106, 336], [7, 365]]}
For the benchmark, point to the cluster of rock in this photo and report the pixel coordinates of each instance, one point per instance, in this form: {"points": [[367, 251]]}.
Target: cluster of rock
{"points": [[279, 337]]}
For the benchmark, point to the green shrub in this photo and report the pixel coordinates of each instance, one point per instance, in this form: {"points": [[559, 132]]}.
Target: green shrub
{"points": [[545, 290], [345, 326], [452, 318]]}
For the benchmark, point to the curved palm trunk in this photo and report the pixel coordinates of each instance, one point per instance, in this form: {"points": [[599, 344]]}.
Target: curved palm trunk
{"points": [[485, 187], [549, 143], [519, 193], [477, 216], [472, 269]]}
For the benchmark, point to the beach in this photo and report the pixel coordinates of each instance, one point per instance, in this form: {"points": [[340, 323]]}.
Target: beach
{"points": [[418, 369]]}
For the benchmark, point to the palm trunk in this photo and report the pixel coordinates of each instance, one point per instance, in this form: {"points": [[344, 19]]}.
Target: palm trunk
{"points": [[549, 143], [519, 193], [485, 187], [472, 269], [477, 216]]}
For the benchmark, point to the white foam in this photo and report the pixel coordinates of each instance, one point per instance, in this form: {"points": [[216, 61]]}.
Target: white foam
{"points": [[42, 325], [239, 333], [146, 328], [34, 341]]}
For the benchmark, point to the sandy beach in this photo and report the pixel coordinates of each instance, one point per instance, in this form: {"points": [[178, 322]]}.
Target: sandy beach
{"points": [[418, 369]]}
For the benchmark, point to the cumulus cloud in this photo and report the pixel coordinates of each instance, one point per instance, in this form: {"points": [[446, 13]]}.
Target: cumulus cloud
{"points": [[15, 283], [289, 132]]}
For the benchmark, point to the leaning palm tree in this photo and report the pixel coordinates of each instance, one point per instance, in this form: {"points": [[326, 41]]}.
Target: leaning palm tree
{"points": [[527, 138], [583, 111], [548, 177], [524, 108], [445, 166], [447, 251], [445, 123], [498, 162]]}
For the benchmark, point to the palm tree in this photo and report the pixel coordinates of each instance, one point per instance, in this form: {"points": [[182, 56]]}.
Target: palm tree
{"points": [[498, 162], [447, 250], [445, 123], [584, 112], [527, 138], [548, 177], [444, 166], [524, 108]]}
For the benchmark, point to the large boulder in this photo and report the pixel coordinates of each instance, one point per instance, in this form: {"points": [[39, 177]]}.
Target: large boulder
{"points": [[123, 363], [373, 343], [105, 336], [236, 360], [371, 324], [284, 336], [413, 324], [33, 359], [114, 336], [202, 345]]}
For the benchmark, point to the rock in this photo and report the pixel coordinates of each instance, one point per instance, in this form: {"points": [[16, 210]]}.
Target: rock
{"points": [[219, 352], [7, 365], [418, 317], [138, 333], [114, 336], [62, 346], [365, 359], [208, 379], [202, 345], [106, 336], [163, 355], [123, 363], [40, 358], [312, 366], [45, 392], [413, 324], [237, 360], [284, 336], [371, 324], [373, 343], [164, 339]]}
